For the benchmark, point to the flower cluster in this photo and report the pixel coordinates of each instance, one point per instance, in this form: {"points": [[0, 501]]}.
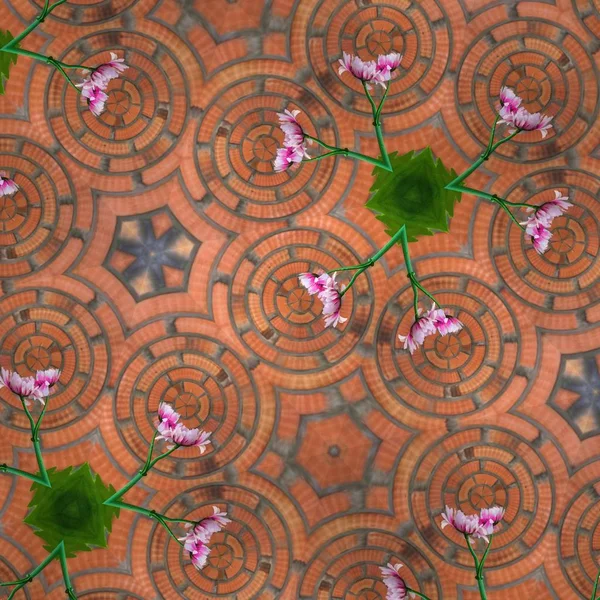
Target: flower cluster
{"points": [[198, 537], [433, 321], [329, 293], [396, 586], [539, 223], [7, 186], [477, 526], [371, 72], [176, 433], [34, 388], [294, 142], [517, 117], [94, 86]]}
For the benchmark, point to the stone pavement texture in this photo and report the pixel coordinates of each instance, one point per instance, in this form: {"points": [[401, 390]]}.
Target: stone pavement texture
{"points": [[152, 254]]}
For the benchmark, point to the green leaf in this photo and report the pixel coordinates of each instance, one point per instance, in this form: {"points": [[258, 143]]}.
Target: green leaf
{"points": [[6, 59], [414, 194], [72, 510]]}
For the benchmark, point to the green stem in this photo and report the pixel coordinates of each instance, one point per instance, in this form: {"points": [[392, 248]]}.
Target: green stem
{"points": [[400, 235], [151, 514], [478, 570], [348, 154], [42, 57], [378, 113], [29, 577], [413, 277], [485, 555], [4, 468], [595, 586], [39, 19], [39, 421], [352, 280], [488, 150], [321, 156], [36, 445], [65, 571], [411, 591], [147, 466], [377, 124]]}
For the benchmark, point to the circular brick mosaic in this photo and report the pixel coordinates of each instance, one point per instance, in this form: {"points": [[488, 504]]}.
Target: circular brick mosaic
{"points": [[550, 76], [251, 555], [418, 31], [237, 142], [347, 567], [51, 329], [474, 469], [457, 373], [145, 111], [205, 382], [35, 222], [277, 320], [79, 11], [565, 278], [579, 540]]}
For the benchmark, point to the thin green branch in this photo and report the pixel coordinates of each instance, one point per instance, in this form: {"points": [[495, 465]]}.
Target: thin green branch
{"points": [[411, 591], [595, 586], [36, 445]]}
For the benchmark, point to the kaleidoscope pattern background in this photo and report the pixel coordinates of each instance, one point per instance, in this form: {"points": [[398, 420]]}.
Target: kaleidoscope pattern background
{"points": [[152, 254]]}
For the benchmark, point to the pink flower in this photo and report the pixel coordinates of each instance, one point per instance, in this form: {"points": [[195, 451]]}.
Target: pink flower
{"points": [[25, 387], [94, 85], [524, 120], [509, 100], [492, 515], [419, 330], [199, 552], [466, 524], [104, 73], [538, 224], [313, 283], [180, 435], [204, 529], [365, 71], [96, 99], [548, 211], [396, 586], [167, 415], [332, 301], [540, 237], [49, 377], [443, 323], [287, 157], [387, 64], [7, 186], [294, 142], [531, 122]]}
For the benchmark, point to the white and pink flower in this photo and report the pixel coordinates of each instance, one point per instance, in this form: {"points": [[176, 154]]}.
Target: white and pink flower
{"points": [[466, 524], [96, 99], [95, 83], [199, 552], [329, 293], [294, 143], [443, 323], [168, 417], [29, 388], [419, 330], [205, 528], [313, 283], [518, 118], [7, 185], [509, 100], [198, 536], [180, 435], [371, 71], [539, 223], [396, 586], [490, 517], [288, 156]]}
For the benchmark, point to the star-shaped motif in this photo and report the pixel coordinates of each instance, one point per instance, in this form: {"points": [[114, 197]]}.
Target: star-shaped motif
{"points": [[152, 254]]}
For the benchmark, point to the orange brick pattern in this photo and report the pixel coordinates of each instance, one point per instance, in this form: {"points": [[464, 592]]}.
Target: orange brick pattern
{"points": [[152, 254]]}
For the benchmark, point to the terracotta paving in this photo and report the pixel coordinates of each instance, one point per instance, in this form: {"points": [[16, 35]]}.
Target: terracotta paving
{"points": [[152, 254]]}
